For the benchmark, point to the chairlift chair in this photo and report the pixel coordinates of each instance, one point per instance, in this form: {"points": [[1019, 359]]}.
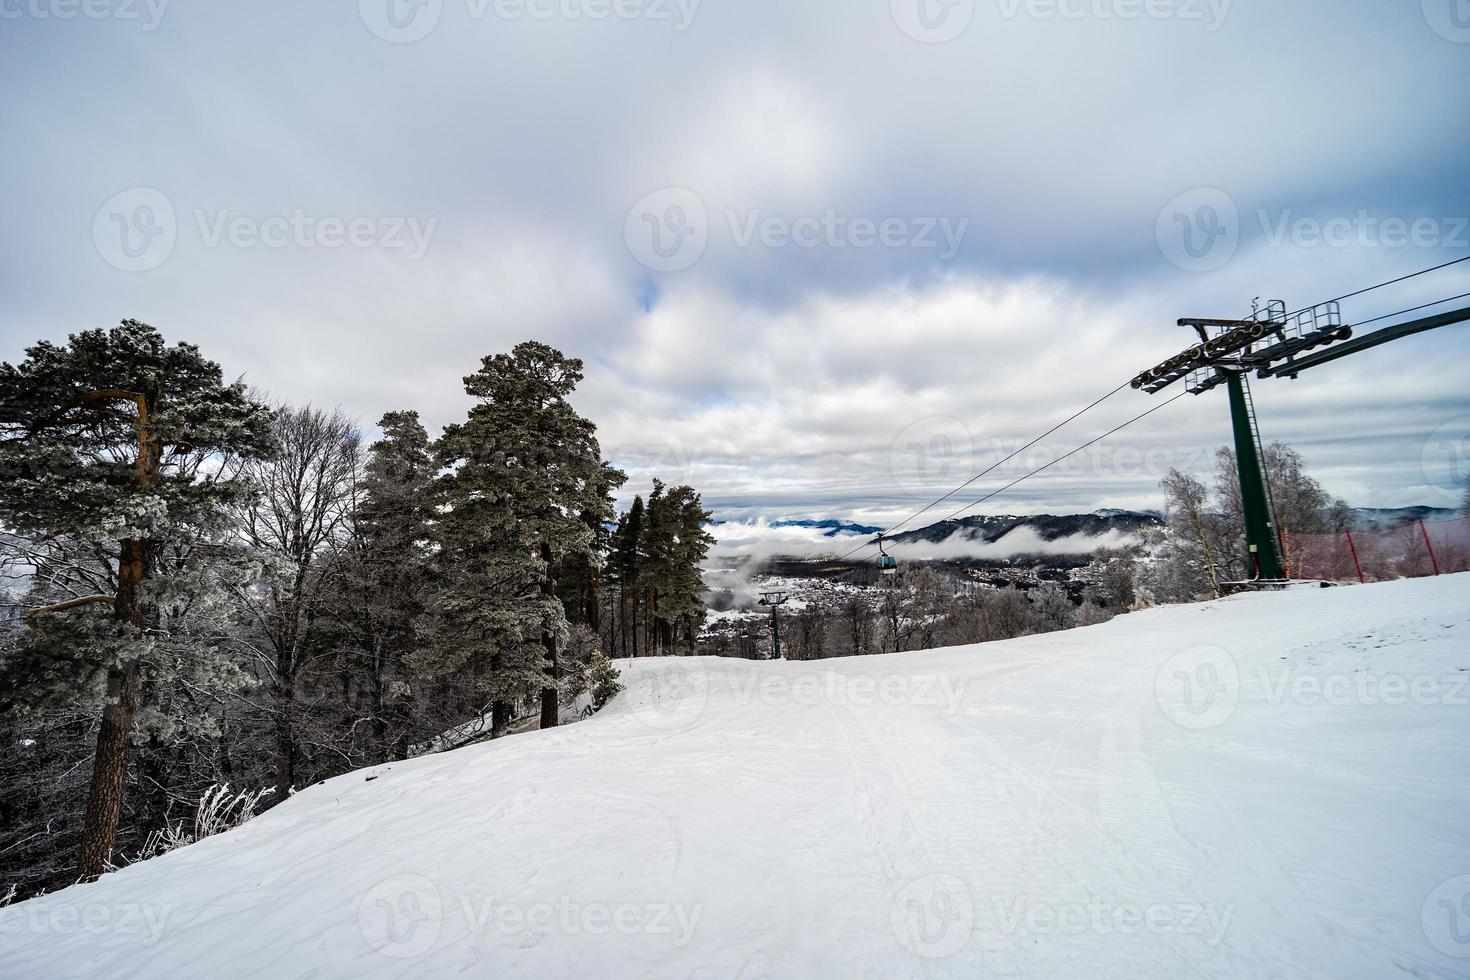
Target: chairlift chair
{"points": [[887, 564]]}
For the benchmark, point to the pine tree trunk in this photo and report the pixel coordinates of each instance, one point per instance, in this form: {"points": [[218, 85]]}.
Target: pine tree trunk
{"points": [[615, 628], [593, 607], [110, 766], [380, 723], [650, 625], [550, 694], [109, 774]]}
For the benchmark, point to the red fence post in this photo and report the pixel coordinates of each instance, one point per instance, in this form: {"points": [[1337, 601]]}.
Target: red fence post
{"points": [[1356, 564], [1433, 560]]}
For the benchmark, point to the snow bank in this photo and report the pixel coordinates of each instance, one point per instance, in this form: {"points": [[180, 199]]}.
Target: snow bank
{"points": [[1269, 785]]}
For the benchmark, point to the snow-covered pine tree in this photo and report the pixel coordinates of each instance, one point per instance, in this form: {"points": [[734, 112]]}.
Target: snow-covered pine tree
{"points": [[675, 544], [625, 568], [579, 576], [132, 448], [385, 580], [523, 469]]}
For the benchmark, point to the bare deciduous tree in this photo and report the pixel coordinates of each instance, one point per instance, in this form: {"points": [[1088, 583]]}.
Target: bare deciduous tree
{"points": [[305, 502]]}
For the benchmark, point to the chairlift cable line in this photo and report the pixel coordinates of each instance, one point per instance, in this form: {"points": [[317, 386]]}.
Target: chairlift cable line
{"points": [[993, 467], [1085, 445], [1391, 282], [987, 470], [1046, 466], [1412, 309]]}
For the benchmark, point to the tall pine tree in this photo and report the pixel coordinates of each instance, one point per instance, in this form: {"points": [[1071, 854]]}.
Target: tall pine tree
{"points": [[117, 440], [675, 544], [524, 469], [392, 540], [624, 571]]}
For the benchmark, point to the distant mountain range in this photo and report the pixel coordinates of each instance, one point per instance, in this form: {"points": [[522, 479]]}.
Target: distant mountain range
{"points": [[1065, 535], [1378, 518], [990, 528], [830, 527]]}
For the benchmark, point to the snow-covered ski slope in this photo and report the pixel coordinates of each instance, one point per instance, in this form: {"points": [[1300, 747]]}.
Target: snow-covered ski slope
{"points": [[1266, 786]]}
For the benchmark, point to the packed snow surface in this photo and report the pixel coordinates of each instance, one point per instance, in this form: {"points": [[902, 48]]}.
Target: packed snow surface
{"points": [[1270, 785]]}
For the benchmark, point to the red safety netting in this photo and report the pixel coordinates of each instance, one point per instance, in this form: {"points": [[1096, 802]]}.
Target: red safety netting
{"points": [[1410, 551]]}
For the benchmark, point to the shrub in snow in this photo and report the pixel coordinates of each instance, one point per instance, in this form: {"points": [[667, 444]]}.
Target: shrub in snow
{"points": [[602, 678], [219, 810]]}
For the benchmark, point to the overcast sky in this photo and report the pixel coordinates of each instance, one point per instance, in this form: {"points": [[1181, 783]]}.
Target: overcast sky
{"points": [[825, 257]]}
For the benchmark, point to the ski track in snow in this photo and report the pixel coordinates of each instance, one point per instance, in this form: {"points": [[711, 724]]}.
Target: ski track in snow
{"points": [[1044, 807]]}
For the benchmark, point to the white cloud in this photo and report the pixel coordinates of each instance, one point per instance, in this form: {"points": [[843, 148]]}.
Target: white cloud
{"points": [[786, 380]]}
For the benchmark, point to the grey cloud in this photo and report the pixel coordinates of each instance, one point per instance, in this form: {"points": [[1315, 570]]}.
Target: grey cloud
{"points": [[775, 378]]}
